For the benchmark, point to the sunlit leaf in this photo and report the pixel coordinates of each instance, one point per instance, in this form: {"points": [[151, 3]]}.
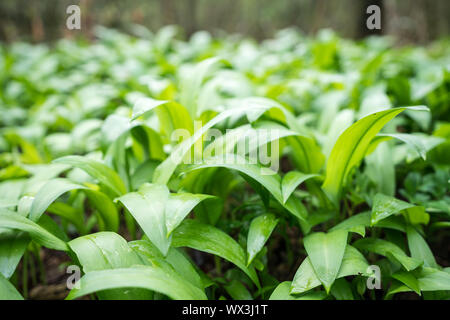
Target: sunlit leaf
{"points": [[351, 147], [326, 251], [97, 170]]}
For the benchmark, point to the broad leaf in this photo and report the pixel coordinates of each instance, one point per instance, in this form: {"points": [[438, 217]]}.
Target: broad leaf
{"points": [[143, 277], [389, 250], [413, 141], [353, 263], [260, 229], [342, 290], [408, 279], [191, 83], [266, 177], [97, 170], [209, 239], [148, 207], [165, 170], [385, 206], [238, 291], [325, 251], [48, 193], [12, 247], [431, 279], [36, 232], [179, 205], [105, 251], [175, 259], [291, 181], [106, 208], [8, 291], [144, 105], [351, 147], [419, 248], [356, 223], [281, 292]]}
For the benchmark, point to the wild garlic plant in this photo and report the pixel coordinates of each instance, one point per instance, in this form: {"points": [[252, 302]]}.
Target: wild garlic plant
{"points": [[296, 168]]}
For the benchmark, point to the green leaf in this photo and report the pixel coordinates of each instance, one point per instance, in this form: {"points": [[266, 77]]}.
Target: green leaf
{"points": [[417, 215], [184, 266], [105, 207], [150, 141], [338, 123], [165, 170], [389, 250], [431, 279], [396, 287], [115, 131], [351, 147], [175, 259], [393, 222], [97, 170], [305, 278], [173, 116], [209, 239], [408, 279], [356, 223], [192, 80], [304, 149], [6, 203], [342, 290], [419, 248], [179, 205], [36, 232], [249, 139], [414, 141], [143, 173], [48, 193], [266, 177], [8, 291], [385, 206], [353, 263], [306, 154], [53, 227], [144, 105], [69, 213], [103, 251], [281, 292], [12, 247], [11, 190], [148, 206], [325, 251], [260, 229], [144, 277], [29, 153], [380, 168], [291, 181], [238, 291]]}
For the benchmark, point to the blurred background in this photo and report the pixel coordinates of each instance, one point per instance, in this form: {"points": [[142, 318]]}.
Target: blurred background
{"points": [[409, 21]]}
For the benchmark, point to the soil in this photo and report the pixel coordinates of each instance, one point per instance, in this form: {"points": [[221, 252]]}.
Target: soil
{"points": [[56, 277]]}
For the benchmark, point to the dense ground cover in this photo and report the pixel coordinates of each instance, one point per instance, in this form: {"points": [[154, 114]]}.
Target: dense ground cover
{"points": [[295, 168]]}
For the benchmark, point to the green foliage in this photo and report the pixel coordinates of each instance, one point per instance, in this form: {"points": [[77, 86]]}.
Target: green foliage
{"points": [[148, 164]]}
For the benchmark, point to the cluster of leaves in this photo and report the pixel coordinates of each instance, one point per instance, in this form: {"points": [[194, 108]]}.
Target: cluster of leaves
{"points": [[87, 160]]}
